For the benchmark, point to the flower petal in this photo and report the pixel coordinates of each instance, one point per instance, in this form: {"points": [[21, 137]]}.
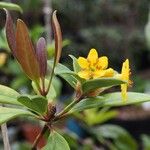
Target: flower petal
{"points": [[125, 70], [83, 63], [103, 73], [84, 74], [124, 91], [92, 56], [102, 62], [109, 72], [98, 73]]}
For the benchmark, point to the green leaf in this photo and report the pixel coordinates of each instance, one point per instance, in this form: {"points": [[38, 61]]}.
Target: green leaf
{"points": [[56, 142], [8, 95], [7, 114], [115, 99], [101, 116], [68, 75], [37, 104], [91, 85], [87, 104], [121, 138], [111, 100], [51, 94], [11, 6], [145, 142], [76, 66]]}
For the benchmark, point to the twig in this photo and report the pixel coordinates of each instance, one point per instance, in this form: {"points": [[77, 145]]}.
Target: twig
{"points": [[5, 137], [38, 138]]}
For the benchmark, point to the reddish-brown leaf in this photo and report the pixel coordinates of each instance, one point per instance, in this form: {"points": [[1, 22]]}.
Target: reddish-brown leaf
{"points": [[42, 56], [10, 33], [25, 51], [57, 36]]}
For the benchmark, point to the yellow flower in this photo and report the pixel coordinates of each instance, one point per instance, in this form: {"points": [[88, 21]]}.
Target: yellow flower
{"points": [[93, 67], [125, 75], [3, 57]]}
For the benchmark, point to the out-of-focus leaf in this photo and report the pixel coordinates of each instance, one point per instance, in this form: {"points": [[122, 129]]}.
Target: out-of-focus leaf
{"points": [[42, 56], [101, 116], [76, 66], [11, 6], [8, 95], [121, 138], [146, 142], [147, 29], [3, 58], [7, 114], [37, 104], [56, 142], [91, 85], [25, 52]]}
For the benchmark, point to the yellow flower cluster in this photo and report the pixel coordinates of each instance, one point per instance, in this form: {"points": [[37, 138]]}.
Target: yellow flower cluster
{"points": [[94, 67]]}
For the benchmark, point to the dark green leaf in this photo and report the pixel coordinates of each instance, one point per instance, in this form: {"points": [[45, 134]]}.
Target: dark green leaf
{"points": [[10, 6], [7, 114], [68, 75], [87, 104], [8, 95], [37, 104], [56, 142], [91, 85]]}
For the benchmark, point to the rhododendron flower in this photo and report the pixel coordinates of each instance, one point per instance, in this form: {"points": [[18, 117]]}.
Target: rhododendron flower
{"points": [[93, 67]]}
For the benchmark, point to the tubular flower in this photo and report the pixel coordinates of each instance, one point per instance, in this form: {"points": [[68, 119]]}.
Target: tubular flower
{"points": [[93, 67], [125, 75]]}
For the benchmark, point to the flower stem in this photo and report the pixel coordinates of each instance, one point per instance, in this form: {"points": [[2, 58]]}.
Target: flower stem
{"points": [[5, 137], [38, 138]]}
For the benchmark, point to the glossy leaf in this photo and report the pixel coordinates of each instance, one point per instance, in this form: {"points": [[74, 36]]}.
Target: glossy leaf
{"points": [[121, 138], [111, 100], [87, 104], [11, 6], [57, 36], [8, 95], [56, 142], [42, 56], [68, 75], [7, 114], [115, 99], [25, 51], [91, 85], [76, 66], [37, 104]]}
